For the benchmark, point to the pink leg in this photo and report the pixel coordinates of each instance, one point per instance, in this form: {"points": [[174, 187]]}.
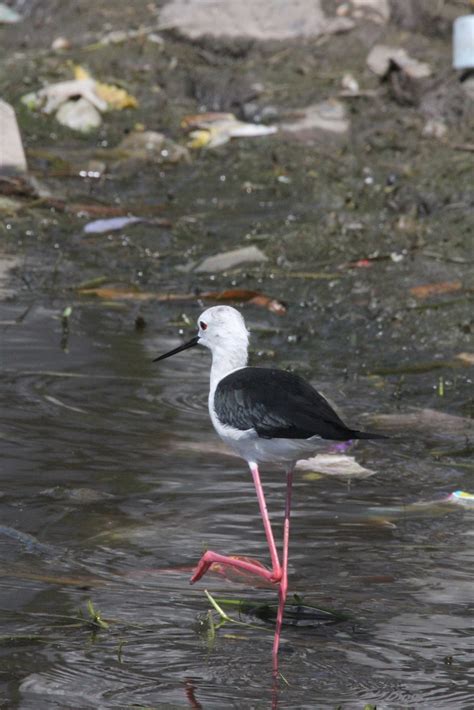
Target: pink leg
{"points": [[210, 557], [276, 567], [284, 578]]}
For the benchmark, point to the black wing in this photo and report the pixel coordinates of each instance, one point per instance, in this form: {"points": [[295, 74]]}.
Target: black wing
{"points": [[278, 404]]}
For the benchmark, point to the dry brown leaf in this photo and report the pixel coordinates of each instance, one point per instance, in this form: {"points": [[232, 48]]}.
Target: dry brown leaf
{"points": [[427, 290], [112, 293]]}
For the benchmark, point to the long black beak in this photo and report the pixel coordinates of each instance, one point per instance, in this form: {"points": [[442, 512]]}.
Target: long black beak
{"points": [[190, 344]]}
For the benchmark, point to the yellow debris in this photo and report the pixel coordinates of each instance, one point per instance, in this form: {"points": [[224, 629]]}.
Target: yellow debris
{"points": [[199, 139], [115, 97], [80, 72]]}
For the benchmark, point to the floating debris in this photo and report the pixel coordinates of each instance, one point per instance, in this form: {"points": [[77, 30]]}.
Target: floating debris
{"points": [[50, 98], [60, 44], [215, 129], [382, 59], [231, 259], [114, 224], [434, 128], [338, 465], [80, 114], [350, 84], [329, 116], [462, 498], [121, 36], [114, 97]]}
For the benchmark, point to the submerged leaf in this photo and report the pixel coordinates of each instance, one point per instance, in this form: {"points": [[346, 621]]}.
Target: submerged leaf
{"points": [[111, 293], [435, 289], [122, 293]]}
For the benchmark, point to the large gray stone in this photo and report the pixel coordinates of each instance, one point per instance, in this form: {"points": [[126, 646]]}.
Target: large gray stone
{"points": [[252, 19]]}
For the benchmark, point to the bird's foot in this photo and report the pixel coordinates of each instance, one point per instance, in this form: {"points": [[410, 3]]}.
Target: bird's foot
{"points": [[243, 565]]}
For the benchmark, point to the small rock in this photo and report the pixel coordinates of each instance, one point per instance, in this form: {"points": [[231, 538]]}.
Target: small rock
{"points": [[153, 146], [231, 259], [79, 116]]}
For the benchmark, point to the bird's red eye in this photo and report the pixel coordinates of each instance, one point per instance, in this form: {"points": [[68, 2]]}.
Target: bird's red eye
{"points": [[202, 325]]}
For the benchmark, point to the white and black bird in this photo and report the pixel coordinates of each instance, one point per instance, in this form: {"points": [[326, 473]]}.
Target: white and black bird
{"points": [[266, 416]]}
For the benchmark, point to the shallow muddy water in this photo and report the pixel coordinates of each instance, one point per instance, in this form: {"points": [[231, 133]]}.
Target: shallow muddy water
{"points": [[105, 463]]}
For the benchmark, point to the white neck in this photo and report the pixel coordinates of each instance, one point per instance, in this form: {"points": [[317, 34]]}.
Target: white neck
{"points": [[226, 359]]}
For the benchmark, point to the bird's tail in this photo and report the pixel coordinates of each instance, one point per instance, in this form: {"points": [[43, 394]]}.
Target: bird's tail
{"points": [[355, 434]]}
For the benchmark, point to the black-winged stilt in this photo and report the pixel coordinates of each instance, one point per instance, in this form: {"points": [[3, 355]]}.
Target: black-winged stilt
{"points": [[266, 416]]}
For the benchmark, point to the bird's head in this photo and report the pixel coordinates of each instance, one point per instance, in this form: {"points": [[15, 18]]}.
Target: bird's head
{"points": [[221, 328]]}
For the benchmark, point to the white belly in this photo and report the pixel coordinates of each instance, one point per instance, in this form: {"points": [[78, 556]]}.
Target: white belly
{"points": [[249, 446]]}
